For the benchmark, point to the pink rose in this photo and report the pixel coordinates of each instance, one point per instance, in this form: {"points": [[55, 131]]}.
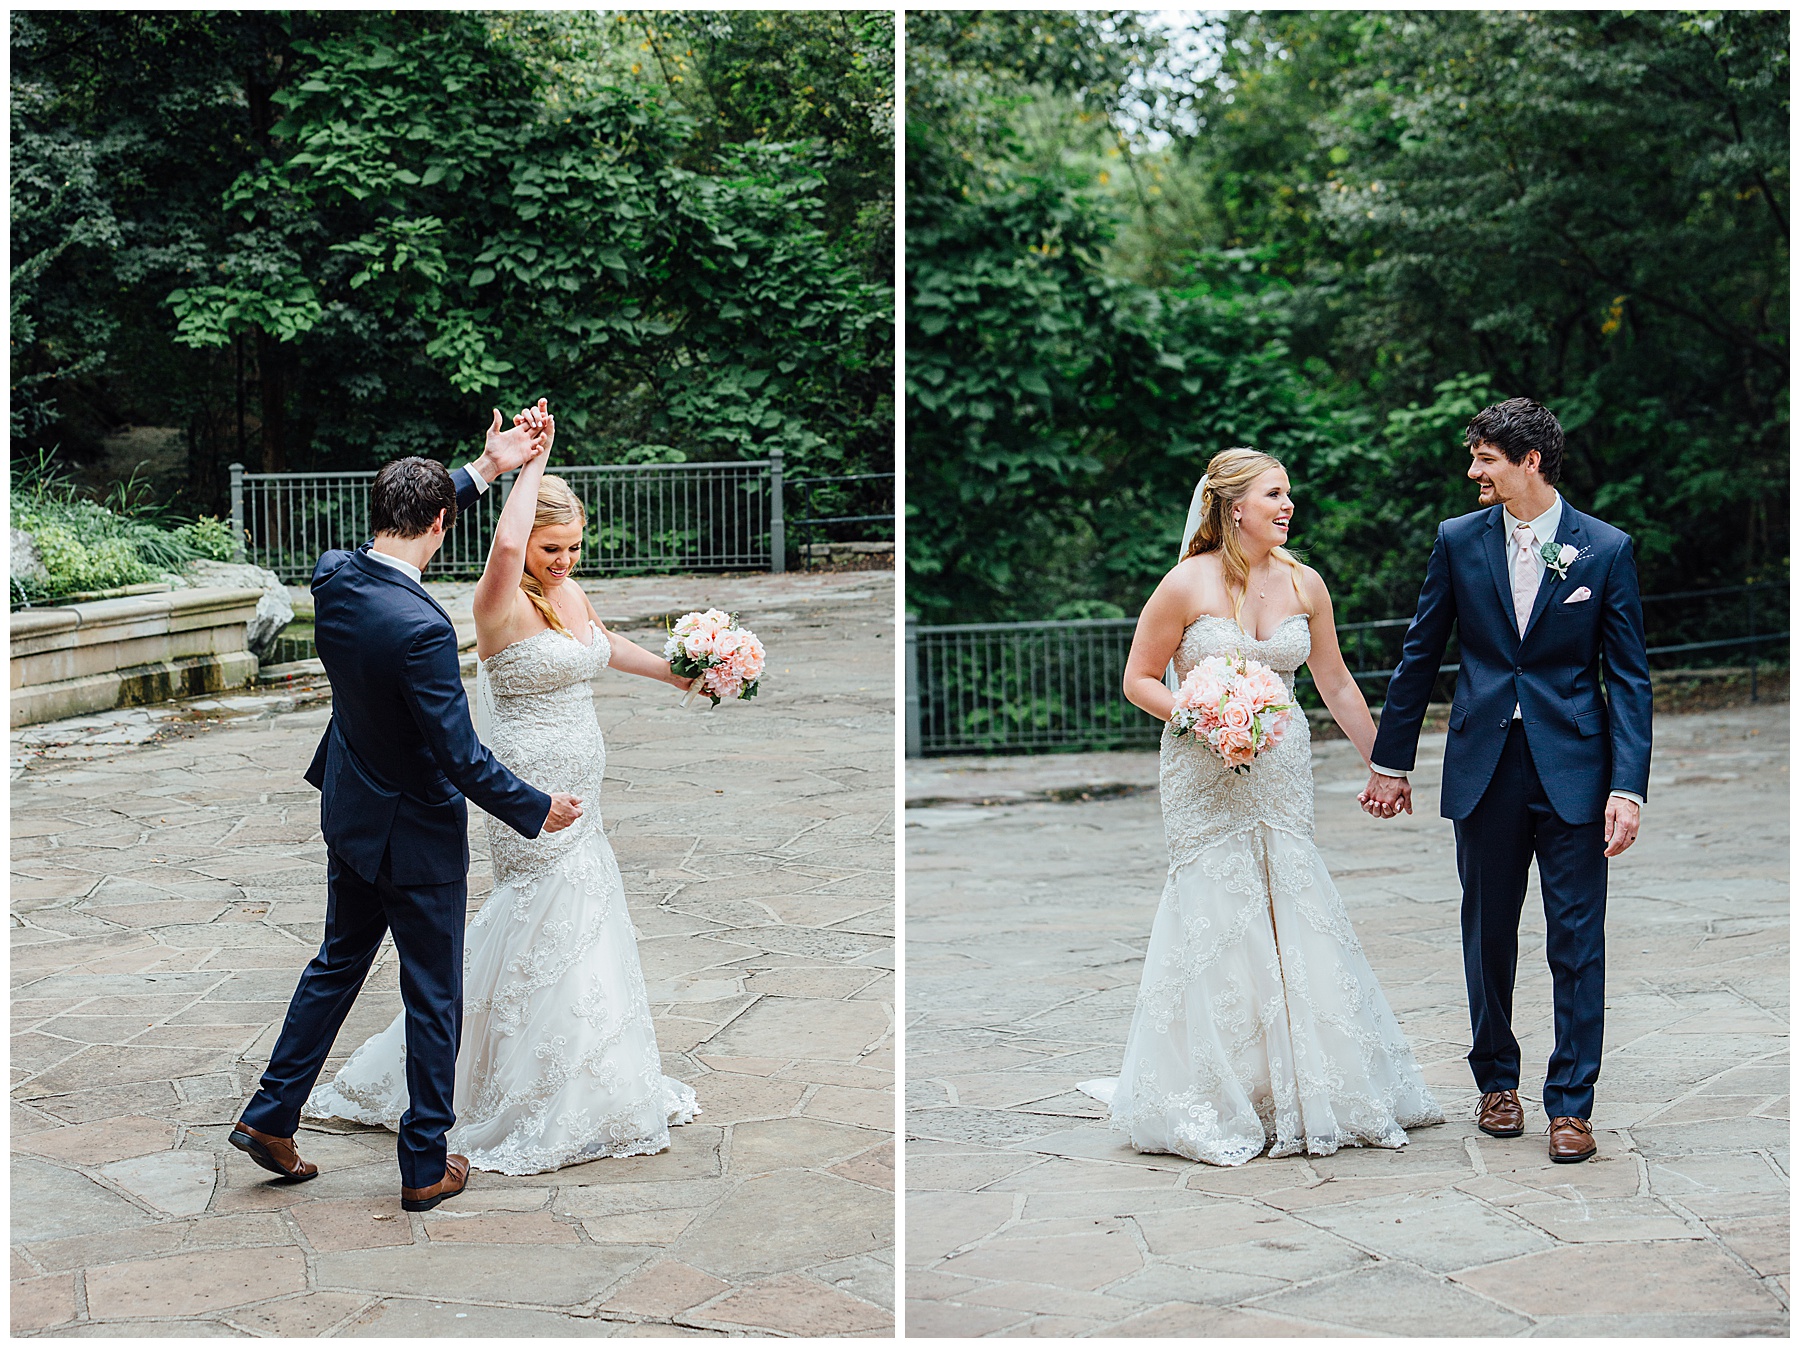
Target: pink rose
{"points": [[1236, 715]]}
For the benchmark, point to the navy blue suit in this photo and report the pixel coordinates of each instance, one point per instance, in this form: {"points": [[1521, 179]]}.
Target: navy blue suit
{"points": [[394, 767], [1533, 786]]}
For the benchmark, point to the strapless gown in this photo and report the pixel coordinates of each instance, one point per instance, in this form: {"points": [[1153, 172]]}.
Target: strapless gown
{"points": [[558, 1063], [1259, 1024]]}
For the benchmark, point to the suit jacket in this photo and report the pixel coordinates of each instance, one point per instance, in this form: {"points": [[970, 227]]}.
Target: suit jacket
{"points": [[400, 753], [1585, 745]]}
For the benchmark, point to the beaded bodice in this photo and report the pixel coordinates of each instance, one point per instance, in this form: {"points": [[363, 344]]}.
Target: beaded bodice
{"points": [[545, 730]]}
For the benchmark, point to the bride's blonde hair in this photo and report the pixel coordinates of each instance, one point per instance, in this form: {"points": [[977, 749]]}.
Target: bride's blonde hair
{"points": [[556, 504], [1228, 480]]}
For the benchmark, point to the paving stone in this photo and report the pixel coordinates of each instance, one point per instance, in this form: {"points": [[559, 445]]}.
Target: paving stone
{"points": [[793, 1028], [180, 1183], [38, 1303], [1394, 1298], [1441, 1231], [335, 1224], [659, 1227], [787, 1221], [665, 1289], [874, 1167], [1664, 1277], [794, 1305], [193, 1284], [414, 1318], [560, 1275], [1081, 1262], [310, 1315], [1183, 1320], [49, 1201], [499, 1228], [98, 1143], [778, 1144]]}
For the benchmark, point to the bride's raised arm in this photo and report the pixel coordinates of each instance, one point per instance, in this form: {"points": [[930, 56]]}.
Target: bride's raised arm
{"points": [[1330, 675], [1159, 630], [497, 593]]}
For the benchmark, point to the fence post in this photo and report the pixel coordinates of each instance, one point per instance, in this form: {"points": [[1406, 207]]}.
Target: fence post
{"points": [[915, 739], [1750, 604], [237, 512], [777, 525]]}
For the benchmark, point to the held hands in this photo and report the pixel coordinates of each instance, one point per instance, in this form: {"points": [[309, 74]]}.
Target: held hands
{"points": [[506, 450], [1621, 824], [539, 422], [1384, 796], [564, 810]]}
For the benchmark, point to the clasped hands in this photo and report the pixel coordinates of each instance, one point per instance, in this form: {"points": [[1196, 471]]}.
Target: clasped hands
{"points": [[1385, 796], [532, 434]]}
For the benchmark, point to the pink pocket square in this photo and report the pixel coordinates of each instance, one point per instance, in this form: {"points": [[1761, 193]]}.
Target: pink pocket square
{"points": [[1579, 595]]}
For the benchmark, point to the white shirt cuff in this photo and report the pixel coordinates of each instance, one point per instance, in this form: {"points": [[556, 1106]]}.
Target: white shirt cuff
{"points": [[1631, 796], [1385, 772], [481, 483]]}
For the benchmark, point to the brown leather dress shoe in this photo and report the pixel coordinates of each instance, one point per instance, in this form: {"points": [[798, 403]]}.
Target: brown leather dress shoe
{"points": [[456, 1176], [1501, 1114], [1571, 1139], [272, 1153]]}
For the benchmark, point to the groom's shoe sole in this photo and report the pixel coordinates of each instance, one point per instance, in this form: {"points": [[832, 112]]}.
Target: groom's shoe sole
{"points": [[254, 1145]]}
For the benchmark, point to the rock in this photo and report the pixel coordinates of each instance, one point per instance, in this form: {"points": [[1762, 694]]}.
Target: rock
{"points": [[273, 611], [25, 563]]}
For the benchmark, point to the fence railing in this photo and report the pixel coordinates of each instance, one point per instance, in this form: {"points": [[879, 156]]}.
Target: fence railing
{"points": [[642, 518], [824, 505], [1042, 686]]}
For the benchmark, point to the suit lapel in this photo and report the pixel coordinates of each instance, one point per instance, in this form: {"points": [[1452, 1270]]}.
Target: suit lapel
{"points": [[1496, 555], [1569, 531]]}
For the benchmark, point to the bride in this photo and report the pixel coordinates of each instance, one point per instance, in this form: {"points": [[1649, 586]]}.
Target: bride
{"points": [[1259, 1024], [558, 1061]]}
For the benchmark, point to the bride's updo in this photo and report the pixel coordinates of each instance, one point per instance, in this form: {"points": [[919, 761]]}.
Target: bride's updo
{"points": [[1228, 480], [556, 504]]}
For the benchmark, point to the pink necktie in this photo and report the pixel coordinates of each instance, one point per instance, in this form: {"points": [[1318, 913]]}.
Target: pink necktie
{"points": [[1524, 575]]}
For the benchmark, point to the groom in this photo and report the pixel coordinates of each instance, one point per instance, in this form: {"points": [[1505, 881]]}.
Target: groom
{"points": [[1537, 761], [396, 763]]}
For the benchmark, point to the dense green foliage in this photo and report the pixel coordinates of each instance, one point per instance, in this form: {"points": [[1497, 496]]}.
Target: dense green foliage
{"points": [[1341, 238], [326, 240]]}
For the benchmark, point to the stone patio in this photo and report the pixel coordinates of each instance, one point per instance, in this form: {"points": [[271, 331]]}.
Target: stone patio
{"points": [[1028, 910], [168, 886]]}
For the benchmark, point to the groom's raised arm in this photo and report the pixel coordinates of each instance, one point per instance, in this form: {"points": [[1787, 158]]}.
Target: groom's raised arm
{"points": [[1409, 689]]}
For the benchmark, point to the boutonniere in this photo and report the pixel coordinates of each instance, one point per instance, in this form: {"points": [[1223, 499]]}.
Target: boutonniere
{"points": [[1559, 557]]}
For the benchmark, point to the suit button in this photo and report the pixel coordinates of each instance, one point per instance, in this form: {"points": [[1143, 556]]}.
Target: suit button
{"points": [[1517, 670]]}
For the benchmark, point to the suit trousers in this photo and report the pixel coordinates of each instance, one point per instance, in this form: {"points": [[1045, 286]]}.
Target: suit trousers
{"points": [[1512, 823], [427, 923]]}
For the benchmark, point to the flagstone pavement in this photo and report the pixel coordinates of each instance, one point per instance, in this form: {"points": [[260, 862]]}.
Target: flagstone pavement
{"points": [[1028, 909], [168, 885]]}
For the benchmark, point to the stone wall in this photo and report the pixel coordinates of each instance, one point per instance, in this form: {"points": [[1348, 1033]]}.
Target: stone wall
{"points": [[79, 658]]}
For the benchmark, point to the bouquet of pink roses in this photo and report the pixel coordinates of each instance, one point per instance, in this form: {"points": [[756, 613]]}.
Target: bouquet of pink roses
{"points": [[722, 657], [1237, 708]]}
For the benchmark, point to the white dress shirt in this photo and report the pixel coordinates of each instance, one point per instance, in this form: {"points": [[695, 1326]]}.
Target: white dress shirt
{"points": [[399, 564], [1543, 530]]}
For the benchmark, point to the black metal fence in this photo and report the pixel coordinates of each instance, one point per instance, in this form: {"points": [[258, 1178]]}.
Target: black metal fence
{"points": [[1044, 686], [825, 509], [642, 518]]}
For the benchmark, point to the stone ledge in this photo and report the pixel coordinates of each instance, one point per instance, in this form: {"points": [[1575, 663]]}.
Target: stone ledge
{"points": [[134, 686]]}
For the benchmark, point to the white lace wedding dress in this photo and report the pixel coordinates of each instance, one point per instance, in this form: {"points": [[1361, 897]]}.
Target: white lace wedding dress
{"points": [[1259, 1024], [558, 1063]]}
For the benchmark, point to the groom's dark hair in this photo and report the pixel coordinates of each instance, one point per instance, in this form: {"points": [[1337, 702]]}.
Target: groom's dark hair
{"points": [[1515, 428], [408, 495]]}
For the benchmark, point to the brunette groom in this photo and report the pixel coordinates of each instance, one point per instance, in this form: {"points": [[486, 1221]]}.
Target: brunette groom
{"points": [[1537, 761], [393, 770]]}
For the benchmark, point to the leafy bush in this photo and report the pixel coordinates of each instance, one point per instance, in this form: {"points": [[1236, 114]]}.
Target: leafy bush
{"points": [[86, 545]]}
